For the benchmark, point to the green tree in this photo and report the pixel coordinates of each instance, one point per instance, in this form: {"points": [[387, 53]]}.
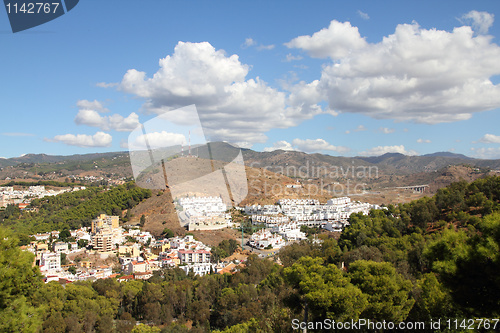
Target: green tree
{"points": [[324, 290], [432, 299], [142, 220], [141, 328], [19, 280], [82, 243], [167, 233], [388, 292]]}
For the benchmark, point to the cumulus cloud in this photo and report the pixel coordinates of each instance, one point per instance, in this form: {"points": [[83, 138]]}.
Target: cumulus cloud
{"points": [[381, 150], [156, 140], [231, 107], [315, 145], [480, 21], [100, 139], [283, 145], [337, 41], [486, 153], [115, 122], [91, 105], [422, 75], [363, 15], [89, 114], [490, 138], [307, 146], [386, 130], [423, 141]]}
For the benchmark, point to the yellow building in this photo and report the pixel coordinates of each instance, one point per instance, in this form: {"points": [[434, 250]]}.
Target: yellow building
{"points": [[86, 264], [105, 221], [159, 247], [102, 241], [130, 249], [106, 232]]}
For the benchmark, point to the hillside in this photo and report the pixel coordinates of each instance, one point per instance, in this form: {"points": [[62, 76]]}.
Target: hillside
{"points": [[264, 187], [323, 172]]}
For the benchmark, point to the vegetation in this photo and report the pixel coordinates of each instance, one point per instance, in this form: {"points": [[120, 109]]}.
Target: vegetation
{"points": [[224, 249], [44, 183], [72, 210], [433, 258]]}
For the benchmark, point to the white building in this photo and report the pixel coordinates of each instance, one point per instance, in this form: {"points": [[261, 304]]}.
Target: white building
{"points": [[204, 213], [50, 262], [196, 256], [264, 238], [339, 201], [262, 210], [198, 268]]}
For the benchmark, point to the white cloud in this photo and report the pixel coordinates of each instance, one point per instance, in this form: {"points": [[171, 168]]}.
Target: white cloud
{"points": [[490, 138], [100, 139], [106, 85], [337, 41], [265, 47], [423, 141], [480, 21], [283, 145], [91, 105], [426, 76], [156, 140], [290, 57], [248, 42], [364, 16], [231, 107], [381, 150], [386, 130], [252, 42], [486, 153], [88, 114], [310, 145], [114, 122]]}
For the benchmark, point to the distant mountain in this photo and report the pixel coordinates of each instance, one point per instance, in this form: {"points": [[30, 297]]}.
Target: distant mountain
{"points": [[381, 158], [448, 154], [287, 162], [44, 158]]}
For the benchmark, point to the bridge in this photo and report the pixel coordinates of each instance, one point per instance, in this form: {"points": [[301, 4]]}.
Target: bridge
{"points": [[414, 188]]}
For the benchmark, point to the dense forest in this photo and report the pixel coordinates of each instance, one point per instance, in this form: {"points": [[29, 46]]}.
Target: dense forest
{"points": [[71, 210], [434, 258]]}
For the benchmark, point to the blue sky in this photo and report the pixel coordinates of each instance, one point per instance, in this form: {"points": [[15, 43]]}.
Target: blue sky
{"points": [[341, 78]]}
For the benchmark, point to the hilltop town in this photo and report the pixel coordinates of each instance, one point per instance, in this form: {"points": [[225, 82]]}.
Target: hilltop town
{"points": [[107, 249]]}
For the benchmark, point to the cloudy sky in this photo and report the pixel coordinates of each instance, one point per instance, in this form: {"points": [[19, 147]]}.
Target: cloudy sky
{"points": [[341, 78]]}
